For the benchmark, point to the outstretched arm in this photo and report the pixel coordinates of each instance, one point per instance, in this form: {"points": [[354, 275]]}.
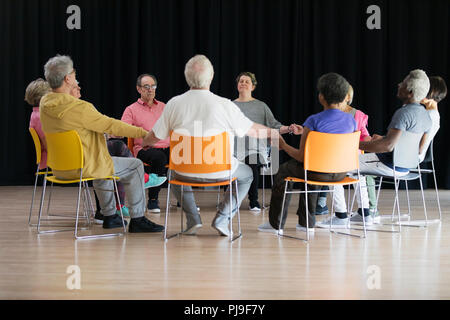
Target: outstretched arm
{"points": [[381, 144]]}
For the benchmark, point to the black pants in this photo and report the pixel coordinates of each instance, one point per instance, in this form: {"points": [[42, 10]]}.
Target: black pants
{"points": [[256, 168], [157, 158], [293, 168]]}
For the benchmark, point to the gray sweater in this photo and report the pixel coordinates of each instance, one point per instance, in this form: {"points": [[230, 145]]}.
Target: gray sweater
{"points": [[258, 112]]}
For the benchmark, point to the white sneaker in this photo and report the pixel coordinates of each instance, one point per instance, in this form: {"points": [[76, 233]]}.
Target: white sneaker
{"points": [[192, 231], [301, 228], [358, 219], [254, 209], [336, 223], [267, 227]]}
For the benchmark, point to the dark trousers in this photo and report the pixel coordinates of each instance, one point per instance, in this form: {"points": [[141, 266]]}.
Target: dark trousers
{"points": [[157, 158], [256, 168], [293, 168]]}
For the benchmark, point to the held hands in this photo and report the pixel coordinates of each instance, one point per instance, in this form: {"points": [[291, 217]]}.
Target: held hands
{"points": [[295, 129], [376, 137]]}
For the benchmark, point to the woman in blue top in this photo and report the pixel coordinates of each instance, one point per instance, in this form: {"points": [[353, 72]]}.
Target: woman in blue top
{"points": [[333, 89]]}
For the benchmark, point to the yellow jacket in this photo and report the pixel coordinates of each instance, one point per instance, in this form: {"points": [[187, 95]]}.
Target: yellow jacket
{"points": [[62, 112]]}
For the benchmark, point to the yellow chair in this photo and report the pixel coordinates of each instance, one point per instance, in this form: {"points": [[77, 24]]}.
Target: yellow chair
{"points": [[65, 153], [328, 153], [38, 149], [200, 155]]}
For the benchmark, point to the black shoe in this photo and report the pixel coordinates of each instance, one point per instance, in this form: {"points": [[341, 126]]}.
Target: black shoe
{"points": [[98, 218], [142, 224], [255, 206], [153, 206], [114, 221]]}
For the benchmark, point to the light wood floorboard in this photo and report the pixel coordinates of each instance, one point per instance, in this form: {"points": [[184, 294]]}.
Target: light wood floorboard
{"points": [[413, 265]]}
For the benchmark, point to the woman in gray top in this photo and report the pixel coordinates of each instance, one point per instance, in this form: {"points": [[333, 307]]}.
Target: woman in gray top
{"points": [[252, 151]]}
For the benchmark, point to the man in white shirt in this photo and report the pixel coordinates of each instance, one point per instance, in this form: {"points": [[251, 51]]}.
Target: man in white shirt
{"points": [[199, 112]]}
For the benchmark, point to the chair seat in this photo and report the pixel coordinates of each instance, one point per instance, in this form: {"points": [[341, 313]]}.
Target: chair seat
{"points": [[408, 177], [345, 181], [43, 172], [202, 184], [56, 180]]}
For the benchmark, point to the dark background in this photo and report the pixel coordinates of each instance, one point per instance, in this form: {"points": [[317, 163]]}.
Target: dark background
{"points": [[288, 44]]}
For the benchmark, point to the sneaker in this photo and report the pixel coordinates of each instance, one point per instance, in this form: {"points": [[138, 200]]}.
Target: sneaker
{"points": [[321, 210], [192, 231], [153, 206], [267, 227], [335, 223], [142, 224], [375, 215], [254, 206], [98, 218], [298, 227], [154, 181], [220, 223], [358, 219], [125, 211], [111, 222]]}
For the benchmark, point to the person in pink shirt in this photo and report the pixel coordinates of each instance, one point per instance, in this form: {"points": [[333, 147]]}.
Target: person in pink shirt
{"points": [[144, 113], [33, 94]]}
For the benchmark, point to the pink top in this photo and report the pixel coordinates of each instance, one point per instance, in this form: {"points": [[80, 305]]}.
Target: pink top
{"points": [[361, 123], [140, 114], [35, 123]]}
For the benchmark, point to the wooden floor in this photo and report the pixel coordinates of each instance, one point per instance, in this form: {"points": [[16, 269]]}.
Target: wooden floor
{"points": [[412, 265]]}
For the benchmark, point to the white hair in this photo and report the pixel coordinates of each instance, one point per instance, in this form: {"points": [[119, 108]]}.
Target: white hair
{"points": [[56, 69], [199, 72], [418, 84]]}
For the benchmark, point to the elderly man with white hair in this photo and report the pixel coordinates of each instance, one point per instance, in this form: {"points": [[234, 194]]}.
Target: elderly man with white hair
{"points": [[411, 117], [199, 112]]}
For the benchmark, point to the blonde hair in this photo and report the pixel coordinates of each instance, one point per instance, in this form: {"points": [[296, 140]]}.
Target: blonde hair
{"points": [[35, 91]]}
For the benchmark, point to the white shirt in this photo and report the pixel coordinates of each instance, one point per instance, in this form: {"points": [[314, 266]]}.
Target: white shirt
{"points": [[201, 113], [435, 125]]}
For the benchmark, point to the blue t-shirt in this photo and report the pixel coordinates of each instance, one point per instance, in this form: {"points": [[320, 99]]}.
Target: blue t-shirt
{"points": [[331, 121], [411, 117]]}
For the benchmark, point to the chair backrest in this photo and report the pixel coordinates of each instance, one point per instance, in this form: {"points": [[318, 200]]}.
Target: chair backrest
{"points": [[332, 152], [406, 151], [199, 154], [130, 144], [429, 154], [37, 144], [65, 151]]}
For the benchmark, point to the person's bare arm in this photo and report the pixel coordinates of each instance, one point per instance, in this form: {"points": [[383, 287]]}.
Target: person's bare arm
{"points": [[382, 144], [297, 154], [259, 131], [422, 142]]}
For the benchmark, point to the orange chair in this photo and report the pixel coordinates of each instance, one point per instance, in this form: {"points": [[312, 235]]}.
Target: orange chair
{"points": [[329, 153], [200, 155]]}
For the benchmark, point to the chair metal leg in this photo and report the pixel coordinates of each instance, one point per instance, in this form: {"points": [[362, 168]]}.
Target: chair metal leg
{"points": [[437, 192], [34, 193], [280, 231], [238, 214]]}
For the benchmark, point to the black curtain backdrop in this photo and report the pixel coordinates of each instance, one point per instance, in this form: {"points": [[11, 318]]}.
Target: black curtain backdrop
{"points": [[288, 44]]}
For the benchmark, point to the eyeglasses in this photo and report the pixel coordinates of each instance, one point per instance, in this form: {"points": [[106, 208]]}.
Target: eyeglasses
{"points": [[148, 87]]}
